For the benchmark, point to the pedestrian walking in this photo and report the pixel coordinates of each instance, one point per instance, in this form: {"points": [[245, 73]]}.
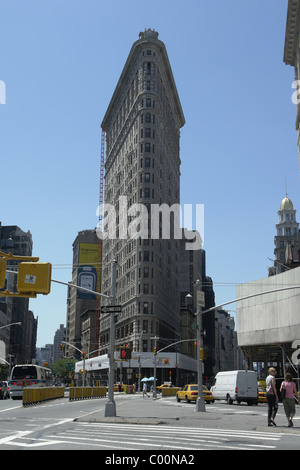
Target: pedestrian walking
{"points": [[288, 391], [145, 389], [272, 397]]}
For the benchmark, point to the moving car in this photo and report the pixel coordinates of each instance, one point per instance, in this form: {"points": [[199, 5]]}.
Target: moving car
{"points": [[262, 395], [190, 393], [4, 390], [164, 385], [236, 385]]}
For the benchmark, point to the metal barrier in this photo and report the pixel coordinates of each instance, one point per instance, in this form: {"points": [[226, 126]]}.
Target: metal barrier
{"points": [[33, 396], [81, 393], [167, 392]]}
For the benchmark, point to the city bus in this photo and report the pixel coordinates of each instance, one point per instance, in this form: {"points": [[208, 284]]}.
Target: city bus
{"points": [[28, 375]]}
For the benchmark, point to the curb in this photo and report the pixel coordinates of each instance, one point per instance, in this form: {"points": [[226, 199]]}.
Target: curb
{"points": [[278, 429], [119, 420]]}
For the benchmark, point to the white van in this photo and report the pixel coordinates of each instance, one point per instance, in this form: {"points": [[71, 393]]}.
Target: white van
{"points": [[236, 385]]}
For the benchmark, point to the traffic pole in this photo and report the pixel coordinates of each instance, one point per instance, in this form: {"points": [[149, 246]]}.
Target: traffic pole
{"points": [[110, 407]]}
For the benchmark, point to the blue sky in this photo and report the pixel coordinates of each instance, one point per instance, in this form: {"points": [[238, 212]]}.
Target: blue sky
{"points": [[61, 60]]}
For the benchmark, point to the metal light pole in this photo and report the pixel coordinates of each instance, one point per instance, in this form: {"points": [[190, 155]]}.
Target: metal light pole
{"points": [[139, 356], [110, 407], [200, 403], [155, 352], [10, 324]]}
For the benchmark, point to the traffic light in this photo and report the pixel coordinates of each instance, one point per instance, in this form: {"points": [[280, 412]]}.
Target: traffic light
{"points": [[125, 353], [155, 351], [2, 272], [34, 278], [61, 347], [83, 354], [195, 345]]}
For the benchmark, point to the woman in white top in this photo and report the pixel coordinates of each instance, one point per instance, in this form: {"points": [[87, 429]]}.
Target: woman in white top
{"points": [[272, 397]]}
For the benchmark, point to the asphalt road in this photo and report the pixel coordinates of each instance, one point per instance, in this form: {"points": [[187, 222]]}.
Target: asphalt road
{"points": [[143, 425]]}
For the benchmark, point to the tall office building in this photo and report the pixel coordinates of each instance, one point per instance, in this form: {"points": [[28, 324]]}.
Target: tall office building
{"points": [[60, 335], [86, 274], [20, 339], [291, 55], [142, 125]]}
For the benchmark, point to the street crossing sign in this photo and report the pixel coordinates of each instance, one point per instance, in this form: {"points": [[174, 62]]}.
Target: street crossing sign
{"points": [[111, 309]]}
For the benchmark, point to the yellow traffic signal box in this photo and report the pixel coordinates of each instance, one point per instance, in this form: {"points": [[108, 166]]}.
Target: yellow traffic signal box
{"points": [[2, 272], [34, 278], [201, 354]]}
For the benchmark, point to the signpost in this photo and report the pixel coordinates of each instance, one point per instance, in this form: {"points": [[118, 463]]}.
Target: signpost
{"points": [[111, 309]]}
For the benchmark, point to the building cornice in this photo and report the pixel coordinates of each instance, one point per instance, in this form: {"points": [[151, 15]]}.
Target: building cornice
{"points": [[291, 32]]}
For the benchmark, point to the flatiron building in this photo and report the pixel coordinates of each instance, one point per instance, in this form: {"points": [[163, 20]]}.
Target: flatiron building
{"points": [[142, 125]]}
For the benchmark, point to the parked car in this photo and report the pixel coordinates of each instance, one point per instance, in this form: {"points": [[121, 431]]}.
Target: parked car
{"points": [[190, 393], [4, 390], [236, 385]]}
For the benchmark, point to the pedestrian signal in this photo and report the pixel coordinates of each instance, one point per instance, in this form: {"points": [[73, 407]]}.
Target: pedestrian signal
{"points": [[125, 354]]}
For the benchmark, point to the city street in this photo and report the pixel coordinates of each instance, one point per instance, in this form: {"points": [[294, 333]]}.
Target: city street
{"points": [[160, 425]]}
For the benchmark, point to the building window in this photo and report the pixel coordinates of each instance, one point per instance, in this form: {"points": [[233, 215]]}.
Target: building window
{"points": [[147, 147], [148, 117], [145, 307], [146, 288]]}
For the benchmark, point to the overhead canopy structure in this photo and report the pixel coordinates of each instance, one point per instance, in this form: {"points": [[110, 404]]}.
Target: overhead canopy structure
{"points": [[268, 324]]}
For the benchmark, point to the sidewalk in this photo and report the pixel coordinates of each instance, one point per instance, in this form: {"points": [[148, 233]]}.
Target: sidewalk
{"points": [[134, 409]]}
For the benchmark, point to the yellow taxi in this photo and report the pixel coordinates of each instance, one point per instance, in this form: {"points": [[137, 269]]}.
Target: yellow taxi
{"points": [[261, 389], [190, 393], [119, 387], [262, 395], [164, 385]]}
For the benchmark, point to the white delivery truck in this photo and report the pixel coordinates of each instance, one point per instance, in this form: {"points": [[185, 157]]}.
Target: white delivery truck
{"points": [[236, 385]]}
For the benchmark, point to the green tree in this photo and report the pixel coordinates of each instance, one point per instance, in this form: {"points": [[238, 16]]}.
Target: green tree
{"points": [[61, 368]]}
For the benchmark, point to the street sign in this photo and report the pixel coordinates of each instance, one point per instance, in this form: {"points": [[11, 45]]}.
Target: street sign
{"points": [[70, 367], [200, 298], [111, 308]]}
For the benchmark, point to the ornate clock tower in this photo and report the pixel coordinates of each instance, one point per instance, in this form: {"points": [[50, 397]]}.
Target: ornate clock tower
{"points": [[286, 239]]}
